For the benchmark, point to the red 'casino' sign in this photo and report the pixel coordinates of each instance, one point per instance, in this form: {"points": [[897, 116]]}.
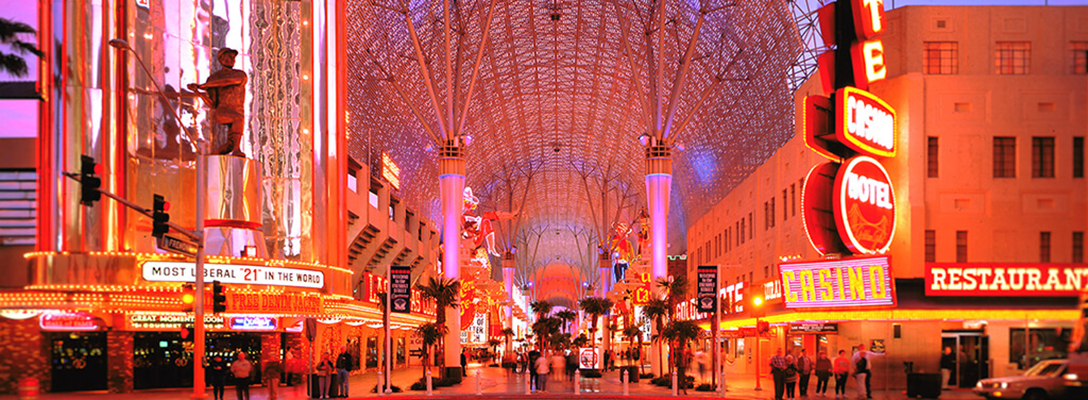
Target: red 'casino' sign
{"points": [[856, 282], [864, 122], [864, 205]]}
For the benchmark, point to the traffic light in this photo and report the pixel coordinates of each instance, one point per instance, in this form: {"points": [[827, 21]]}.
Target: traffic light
{"points": [[89, 181], [159, 217], [187, 297], [219, 300], [186, 333]]}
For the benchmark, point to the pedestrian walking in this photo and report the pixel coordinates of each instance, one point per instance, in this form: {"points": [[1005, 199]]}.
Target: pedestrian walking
{"points": [[217, 373], [464, 363], [530, 364], [948, 364], [861, 373], [325, 369], [541, 368], [272, 372], [868, 356], [778, 371], [344, 365], [559, 366], [823, 373], [804, 371], [241, 369], [791, 375], [572, 364], [841, 368]]}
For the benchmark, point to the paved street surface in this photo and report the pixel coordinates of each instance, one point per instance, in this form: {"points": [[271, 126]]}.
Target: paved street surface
{"points": [[496, 383]]}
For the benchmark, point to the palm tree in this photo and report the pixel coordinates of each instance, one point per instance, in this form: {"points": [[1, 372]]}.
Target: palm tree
{"points": [[595, 307], [675, 290], [632, 333], [445, 293], [544, 328], [542, 308], [508, 333], [679, 334], [10, 33], [580, 341], [567, 316], [431, 333], [656, 310]]}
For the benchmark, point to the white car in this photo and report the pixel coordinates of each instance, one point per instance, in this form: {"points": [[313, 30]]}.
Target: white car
{"points": [[1043, 381]]}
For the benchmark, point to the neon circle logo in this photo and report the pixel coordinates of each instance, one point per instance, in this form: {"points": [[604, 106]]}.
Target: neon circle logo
{"points": [[865, 206]]}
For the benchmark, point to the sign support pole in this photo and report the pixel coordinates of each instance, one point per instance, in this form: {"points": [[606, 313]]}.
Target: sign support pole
{"points": [[388, 338], [715, 328]]}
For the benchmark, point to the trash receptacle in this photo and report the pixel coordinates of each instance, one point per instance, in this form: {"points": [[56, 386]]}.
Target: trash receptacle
{"points": [[926, 386], [632, 373]]}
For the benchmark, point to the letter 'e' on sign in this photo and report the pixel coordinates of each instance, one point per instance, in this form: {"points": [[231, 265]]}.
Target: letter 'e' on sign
{"points": [[869, 56], [865, 123], [864, 206]]}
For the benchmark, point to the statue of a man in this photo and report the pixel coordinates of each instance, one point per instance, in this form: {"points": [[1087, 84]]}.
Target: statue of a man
{"points": [[225, 92]]}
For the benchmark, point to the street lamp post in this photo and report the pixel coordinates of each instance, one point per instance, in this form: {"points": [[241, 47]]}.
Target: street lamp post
{"points": [[199, 391], [757, 304]]}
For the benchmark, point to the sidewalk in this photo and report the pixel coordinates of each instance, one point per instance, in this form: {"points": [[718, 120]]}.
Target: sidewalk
{"points": [[496, 383]]}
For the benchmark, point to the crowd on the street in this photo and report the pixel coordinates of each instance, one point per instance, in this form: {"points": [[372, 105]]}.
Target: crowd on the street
{"points": [[792, 375], [242, 373]]}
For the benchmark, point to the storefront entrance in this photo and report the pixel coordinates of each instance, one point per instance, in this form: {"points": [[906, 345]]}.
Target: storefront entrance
{"points": [[164, 360], [972, 350], [79, 361]]}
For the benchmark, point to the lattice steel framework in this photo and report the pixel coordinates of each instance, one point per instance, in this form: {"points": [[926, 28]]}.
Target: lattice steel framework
{"points": [[556, 94]]}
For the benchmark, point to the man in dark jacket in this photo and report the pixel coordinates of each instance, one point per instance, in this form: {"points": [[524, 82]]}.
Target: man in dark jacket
{"points": [[217, 374], [344, 364]]}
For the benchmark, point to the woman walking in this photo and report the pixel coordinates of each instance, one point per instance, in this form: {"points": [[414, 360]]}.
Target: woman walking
{"points": [[841, 369], [791, 376]]}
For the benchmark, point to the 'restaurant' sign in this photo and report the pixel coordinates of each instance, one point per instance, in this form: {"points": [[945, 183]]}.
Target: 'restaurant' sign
{"points": [[858, 282], [1011, 279], [706, 301], [864, 206], [864, 122], [164, 271]]}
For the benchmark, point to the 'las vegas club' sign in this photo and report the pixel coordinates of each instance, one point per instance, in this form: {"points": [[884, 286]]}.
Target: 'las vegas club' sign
{"points": [[848, 204]]}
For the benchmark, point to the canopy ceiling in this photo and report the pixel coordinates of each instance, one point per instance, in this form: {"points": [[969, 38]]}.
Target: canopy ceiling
{"points": [[555, 102]]}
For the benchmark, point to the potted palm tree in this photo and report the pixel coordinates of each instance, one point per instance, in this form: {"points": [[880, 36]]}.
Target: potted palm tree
{"points": [[444, 293], [430, 333], [680, 334], [656, 310], [595, 307]]}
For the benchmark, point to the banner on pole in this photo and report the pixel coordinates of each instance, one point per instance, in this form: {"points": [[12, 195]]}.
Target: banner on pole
{"points": [[707, 299], [400, 287]]}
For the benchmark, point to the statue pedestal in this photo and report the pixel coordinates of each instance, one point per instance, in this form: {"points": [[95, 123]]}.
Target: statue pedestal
{"points": [[233, 220]]}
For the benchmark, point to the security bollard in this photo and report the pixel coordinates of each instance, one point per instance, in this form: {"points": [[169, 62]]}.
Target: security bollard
{"points": [[528, 382], [577, 382], [626, 385], [674, 387], [721, 384], [477, 382], [429, 387], [381, 384]]}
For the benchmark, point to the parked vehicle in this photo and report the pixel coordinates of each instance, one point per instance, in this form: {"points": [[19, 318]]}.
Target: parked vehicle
{"points": [[1043, 381]]}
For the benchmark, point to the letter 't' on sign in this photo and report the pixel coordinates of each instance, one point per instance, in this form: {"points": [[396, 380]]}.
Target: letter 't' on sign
{"points": [[868, 17]]}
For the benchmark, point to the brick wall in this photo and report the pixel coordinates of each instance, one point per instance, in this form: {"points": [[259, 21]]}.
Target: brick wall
{"points": [[25, 354], [119, 364]]}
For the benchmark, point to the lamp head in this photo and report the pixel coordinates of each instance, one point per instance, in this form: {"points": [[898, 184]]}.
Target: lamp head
{"points": [[118, 43]]}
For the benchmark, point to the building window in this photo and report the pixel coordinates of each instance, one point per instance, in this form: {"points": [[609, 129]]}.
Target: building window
{"points": [[1013, 58], [766, 216], [751, 226], [941, 58], [961, 246], [772, 212], [931, 157], [766, 271], [1004, 157], [1056, 341], [785, 209], [741, 230], [1078, 247], [1080, 57], [728, 244], [931, 246], [1044, 247], [793, 200], [1042, 157], [1078, 156]]}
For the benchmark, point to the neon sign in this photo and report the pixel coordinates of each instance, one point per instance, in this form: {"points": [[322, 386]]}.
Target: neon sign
{"points": [[983, 279], [864, 206], [165, 271], [642, 291], [390, 171], [865, 123], [253, 323], [859, 282], [67, 322]]}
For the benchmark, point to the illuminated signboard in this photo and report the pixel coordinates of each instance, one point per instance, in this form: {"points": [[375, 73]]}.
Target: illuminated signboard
{"points": [[817, 209], [870, 55], [642, 290], [859, 282], [864, 122], [67, 322], [1011, 279], [589, 358], [706, 288], [164, 271], [772, 291], [390, 171], [864, 205], [277, 303], [375, 286], [167, 322], [734, 297], [868, 17], [253, 323]]}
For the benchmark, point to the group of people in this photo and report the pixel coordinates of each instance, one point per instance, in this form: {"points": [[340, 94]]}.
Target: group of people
{"points": [[241, 372], [542, 365], [794, 374]]}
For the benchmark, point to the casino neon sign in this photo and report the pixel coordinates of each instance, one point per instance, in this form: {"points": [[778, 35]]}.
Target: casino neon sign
{"points": [[859, 282], [865, 123], [865, 206]]}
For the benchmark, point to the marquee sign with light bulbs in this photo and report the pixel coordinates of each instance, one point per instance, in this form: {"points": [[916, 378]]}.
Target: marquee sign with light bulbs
{"points": [[848, 204]]}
